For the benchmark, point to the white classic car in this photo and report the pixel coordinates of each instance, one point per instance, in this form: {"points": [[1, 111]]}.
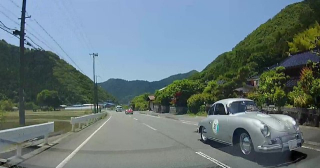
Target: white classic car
{"points": [[238, 122]]}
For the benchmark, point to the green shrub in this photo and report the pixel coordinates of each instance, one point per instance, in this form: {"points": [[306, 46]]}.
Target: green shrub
{"points": [[196, 102], [31, 106], [6, 105]]}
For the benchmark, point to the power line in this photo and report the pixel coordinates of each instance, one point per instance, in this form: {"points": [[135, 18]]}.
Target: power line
{"points": [[78, 24], [57, 44], [8, 32], [27, 29], [69, 21], [34, 42], [15, 4], [9, 18], [9, 11]]}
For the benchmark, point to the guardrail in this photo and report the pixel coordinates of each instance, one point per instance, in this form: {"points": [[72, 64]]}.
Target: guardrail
{"points": [[16, 136], [86, 119]]}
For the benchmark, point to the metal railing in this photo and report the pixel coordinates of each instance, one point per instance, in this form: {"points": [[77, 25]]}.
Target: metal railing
{"points": [[87, 119], [16, 136]]}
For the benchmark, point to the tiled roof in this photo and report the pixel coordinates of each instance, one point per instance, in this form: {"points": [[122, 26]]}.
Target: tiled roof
{"points": [[298, 60]]}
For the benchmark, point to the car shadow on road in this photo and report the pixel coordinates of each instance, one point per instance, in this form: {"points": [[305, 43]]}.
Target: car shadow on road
{"points": [[264, 159]]}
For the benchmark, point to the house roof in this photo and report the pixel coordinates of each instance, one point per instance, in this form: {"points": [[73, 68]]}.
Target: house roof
{"points": [[298, 60], [151, 97], [245, 89]]}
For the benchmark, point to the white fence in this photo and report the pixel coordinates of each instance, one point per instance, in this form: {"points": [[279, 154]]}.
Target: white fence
{"points": [[86, 119], [16, 136]]}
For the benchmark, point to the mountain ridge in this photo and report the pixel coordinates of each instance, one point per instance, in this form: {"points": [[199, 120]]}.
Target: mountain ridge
{"points": [[122, 89]]}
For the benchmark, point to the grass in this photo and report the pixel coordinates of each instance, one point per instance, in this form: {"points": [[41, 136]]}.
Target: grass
{"points": [[61, 119], [201, 113]]}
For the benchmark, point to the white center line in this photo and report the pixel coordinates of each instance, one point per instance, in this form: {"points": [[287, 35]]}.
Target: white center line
{"points": [[135, 119], [213, 160], [149, 126], [64, 162], [311, 148]]}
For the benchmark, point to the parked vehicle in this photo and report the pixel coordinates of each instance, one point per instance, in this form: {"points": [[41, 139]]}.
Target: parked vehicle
{"points": [[129, 111], [119, 109], [238, 122]]}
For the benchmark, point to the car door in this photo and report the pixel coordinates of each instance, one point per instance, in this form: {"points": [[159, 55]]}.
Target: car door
{"points": [[219, 123]]}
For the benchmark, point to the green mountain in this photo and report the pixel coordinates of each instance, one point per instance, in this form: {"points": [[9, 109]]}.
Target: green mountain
{"points": [[44, 70], [266, 45], [125, 90]]}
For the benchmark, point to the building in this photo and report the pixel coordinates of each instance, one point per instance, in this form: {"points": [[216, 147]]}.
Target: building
{"points": [[150, 100], [294, 64]]}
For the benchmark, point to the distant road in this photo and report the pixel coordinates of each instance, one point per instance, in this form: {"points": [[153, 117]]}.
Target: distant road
{"points": [[144, 141]]}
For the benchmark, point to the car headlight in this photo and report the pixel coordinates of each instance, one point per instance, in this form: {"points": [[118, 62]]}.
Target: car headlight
{"points": [[294, 123], [265, 131]]}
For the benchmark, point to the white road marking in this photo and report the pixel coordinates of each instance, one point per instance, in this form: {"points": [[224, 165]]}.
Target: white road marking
{"points": [[135, 119], [64, 162], [213, 160], [189, 123], [307, 147], [149, 126]]}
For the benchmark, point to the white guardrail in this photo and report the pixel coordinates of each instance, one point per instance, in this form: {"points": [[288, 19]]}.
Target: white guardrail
{"points": [[86, 119], [16, 136]]}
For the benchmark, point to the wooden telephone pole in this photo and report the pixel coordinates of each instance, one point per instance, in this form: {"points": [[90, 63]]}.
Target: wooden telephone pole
{"points": [[22, 65]]}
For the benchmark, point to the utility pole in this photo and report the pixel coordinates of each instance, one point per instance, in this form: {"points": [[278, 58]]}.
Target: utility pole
{"points": [[97, 94], [94, 82], [21, 69]]}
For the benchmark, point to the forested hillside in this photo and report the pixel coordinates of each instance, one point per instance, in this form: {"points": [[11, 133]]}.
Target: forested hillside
{"points": [[125, 90], [267, 45], [44, 70], [294, 29]]}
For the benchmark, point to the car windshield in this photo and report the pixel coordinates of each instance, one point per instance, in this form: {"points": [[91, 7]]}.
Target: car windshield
{"points": [[242, 106]]}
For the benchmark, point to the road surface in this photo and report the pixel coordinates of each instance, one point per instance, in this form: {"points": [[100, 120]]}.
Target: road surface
{"points": [[144, 141]]}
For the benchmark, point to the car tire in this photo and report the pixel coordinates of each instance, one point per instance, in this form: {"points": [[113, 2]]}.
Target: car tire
{"points": [[243, 145], [203, 138]]}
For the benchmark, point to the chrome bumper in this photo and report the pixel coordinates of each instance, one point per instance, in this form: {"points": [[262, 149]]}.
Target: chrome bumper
{"points": [[281, 147]]}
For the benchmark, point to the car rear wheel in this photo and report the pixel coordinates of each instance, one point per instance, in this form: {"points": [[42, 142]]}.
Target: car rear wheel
{"points": [[202, 135]]}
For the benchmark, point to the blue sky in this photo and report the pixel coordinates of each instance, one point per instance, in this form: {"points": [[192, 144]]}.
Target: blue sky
{"points": [[141, 39]]}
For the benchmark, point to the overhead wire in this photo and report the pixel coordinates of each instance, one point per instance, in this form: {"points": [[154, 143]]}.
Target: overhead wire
{"points": [[78, 24], [43, 41], [57, 44]]}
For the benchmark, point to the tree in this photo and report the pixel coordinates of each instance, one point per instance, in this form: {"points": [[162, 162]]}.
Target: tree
{"points": [[279, 98], [270, 81], [178, 92], [307, 93], [140, 102], [306, 40], [48, 98], [196, 100]]}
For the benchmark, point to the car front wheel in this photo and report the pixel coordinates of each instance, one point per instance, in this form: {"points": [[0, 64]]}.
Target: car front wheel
{"points": [[202, 135], [244, 145]]}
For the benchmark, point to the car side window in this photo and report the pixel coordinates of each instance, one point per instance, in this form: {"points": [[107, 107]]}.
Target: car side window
{"points": [[219, 110], [211, 110]]}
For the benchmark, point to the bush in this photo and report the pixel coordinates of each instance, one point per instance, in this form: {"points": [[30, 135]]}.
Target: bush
{"points": [[6, 105], [31, 106], [196, 101]]}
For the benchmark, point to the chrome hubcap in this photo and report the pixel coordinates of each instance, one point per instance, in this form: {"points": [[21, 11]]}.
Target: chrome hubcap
{"points": [[245, 143], [202, 134]]}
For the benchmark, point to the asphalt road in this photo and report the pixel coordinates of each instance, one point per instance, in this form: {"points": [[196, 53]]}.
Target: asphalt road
{"points": [[139, 141]]}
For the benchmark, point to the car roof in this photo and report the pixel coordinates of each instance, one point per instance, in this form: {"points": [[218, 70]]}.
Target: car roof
{"points": [[230, 100]]}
